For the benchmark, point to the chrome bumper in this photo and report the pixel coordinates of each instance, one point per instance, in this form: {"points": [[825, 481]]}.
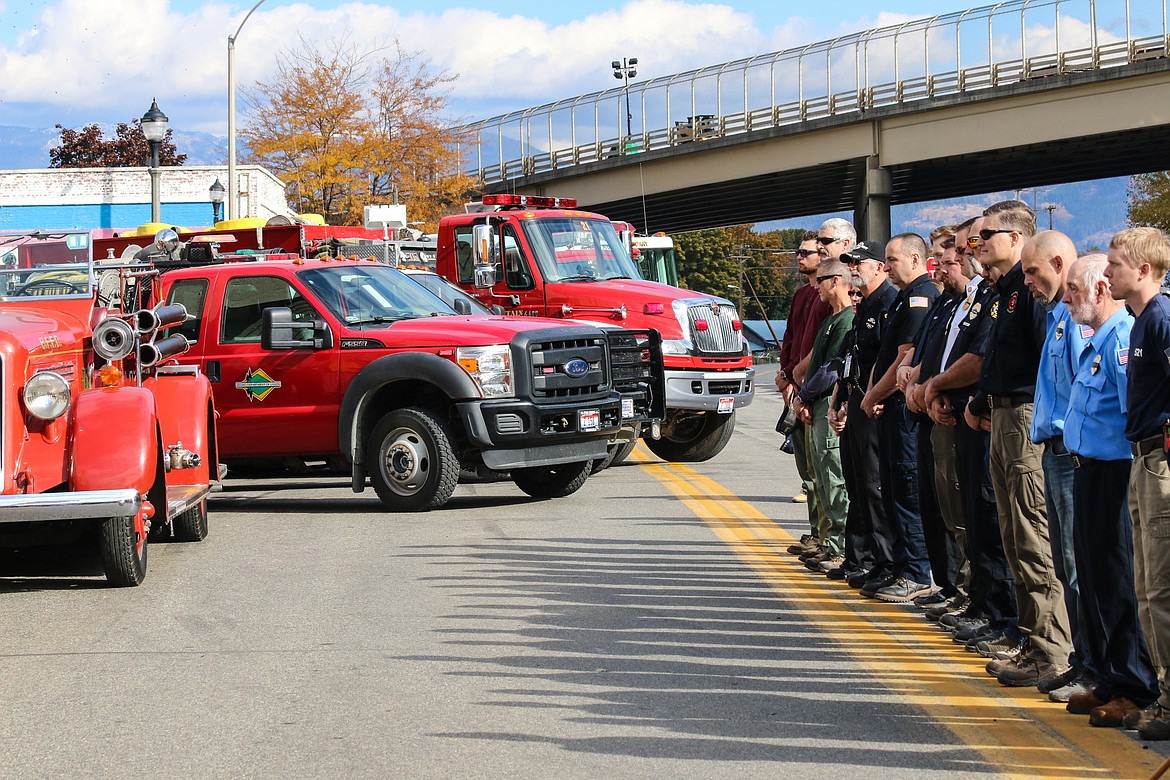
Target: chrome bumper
{"points": [[81, 505], [701, 390]]}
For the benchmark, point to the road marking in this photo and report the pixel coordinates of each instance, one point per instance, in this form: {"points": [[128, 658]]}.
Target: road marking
{"points": [[1018, 731]]}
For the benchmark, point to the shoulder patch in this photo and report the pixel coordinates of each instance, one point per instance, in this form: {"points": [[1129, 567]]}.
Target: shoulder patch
{"points": [[1013, 301], [919, 302], [1123, 356]]}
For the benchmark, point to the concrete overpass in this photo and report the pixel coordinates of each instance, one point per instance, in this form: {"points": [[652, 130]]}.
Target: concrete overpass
{"points": [[1049, 118]]}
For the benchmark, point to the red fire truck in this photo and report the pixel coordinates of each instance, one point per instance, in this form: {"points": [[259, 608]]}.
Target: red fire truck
{"points": [[102, 434]]}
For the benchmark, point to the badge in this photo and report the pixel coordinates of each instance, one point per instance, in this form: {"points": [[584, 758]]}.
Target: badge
{"points": [[1123, 356], [975, 311], [257, 384], [871, 323], [995, 310], [1096, 365], [1060, 330], [1013, 301]]}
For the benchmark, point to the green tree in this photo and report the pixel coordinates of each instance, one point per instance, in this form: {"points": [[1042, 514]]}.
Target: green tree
{"points": [[89, 148], [346, 128], [711, 261], [1149, 200]]}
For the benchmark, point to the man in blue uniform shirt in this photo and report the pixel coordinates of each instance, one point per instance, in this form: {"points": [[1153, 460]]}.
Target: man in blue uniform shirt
{"points": [[1045, 262], [1102, 534], [1138, 260]]}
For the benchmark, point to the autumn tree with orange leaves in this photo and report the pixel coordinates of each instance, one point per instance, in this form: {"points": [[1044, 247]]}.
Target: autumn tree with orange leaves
{"points": [[345, 128]]}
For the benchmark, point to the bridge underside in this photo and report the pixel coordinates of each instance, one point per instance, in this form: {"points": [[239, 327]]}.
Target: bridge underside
{"points": [[836, 186]]}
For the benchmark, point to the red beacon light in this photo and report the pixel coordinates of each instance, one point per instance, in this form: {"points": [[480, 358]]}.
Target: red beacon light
{"points": [[533, 201], [701, 325]]}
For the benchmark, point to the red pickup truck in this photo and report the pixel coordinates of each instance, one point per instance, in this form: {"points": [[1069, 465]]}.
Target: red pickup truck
{"points": [[350, 363]]}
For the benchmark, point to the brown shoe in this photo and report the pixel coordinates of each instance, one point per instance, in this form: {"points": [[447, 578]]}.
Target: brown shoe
{"points": [[1028, 671], [1084, 703], [1112, 714], [807, 542]]}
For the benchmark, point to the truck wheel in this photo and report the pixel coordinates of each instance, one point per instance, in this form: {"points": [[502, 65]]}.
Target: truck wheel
{"points": [[558, 481], [412, 464], [191, 526], [693, 438], [123, 552]]}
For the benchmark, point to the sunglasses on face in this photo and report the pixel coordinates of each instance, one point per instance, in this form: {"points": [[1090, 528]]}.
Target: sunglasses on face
{"points": [[826, 278], [804, 252], [987, 233], [826, 240], [973, 241], [855, 293]]}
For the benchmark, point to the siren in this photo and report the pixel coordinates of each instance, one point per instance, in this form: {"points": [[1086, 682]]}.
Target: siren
{"points": [[156, 352], [113, 339]]}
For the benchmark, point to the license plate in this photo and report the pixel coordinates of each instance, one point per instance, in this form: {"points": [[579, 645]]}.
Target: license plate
{"points": [[590, 420], [726, 405], [627, 408]]}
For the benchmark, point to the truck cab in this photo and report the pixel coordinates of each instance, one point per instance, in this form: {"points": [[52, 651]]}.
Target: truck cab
{"points": [[541, 257]]}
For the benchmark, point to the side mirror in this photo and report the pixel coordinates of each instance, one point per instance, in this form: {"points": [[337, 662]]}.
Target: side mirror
{"points": [[461, 306], [280, 331], [484, 253]]}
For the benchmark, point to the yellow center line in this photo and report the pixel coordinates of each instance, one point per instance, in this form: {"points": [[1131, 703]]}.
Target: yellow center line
{"points": [[1017, 730]]}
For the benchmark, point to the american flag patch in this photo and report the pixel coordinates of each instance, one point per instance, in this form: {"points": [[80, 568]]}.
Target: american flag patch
{"points": [[1123, 356], [1087, 332]]}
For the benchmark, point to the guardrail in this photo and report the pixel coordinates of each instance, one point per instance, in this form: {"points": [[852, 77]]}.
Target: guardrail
{"points": [[918, 60]]}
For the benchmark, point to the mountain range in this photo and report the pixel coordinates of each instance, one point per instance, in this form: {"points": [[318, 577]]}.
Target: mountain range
{"points": [[1089, 212]]}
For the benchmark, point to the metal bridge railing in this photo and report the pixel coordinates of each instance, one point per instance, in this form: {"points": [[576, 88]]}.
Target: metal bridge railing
{"points": [[944, 55]]}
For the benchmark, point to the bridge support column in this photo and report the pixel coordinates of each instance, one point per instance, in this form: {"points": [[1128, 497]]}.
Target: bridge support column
{"points": [[871, 217]]}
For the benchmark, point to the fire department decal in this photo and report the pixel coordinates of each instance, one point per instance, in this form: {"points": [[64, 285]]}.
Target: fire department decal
{"points": [[1012, 302], [257, 384]]}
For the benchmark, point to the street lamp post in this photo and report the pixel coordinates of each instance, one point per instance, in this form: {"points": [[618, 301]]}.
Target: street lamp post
{"points": [[233, 189], [215, 194], [154, 127], [624, 70]]}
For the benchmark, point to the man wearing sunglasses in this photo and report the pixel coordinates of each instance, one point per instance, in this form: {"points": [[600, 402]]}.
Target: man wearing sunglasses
{"points": [[1007, 392], [835, 238], [906, 256], [807, 313], [869, 538]]}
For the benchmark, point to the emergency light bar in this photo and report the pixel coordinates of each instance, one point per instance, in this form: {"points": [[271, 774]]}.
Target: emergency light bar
{"points": [[539, 201]]}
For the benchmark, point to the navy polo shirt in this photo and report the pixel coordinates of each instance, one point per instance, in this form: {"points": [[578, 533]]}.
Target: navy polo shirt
{"points": [[906, 317], [869, 322], [1017, 336], [932, 338], [1148, 371]]}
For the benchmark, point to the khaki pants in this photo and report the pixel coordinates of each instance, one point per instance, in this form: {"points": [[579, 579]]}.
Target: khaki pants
{"points": [[1149, 508], [1017, 475], [950, 497]]}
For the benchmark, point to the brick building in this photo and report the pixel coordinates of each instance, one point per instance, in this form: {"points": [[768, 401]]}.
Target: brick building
{"points": [[119, 198]]}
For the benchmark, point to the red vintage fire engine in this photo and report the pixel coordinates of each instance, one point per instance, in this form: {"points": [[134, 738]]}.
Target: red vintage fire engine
{"points": [[102, 434]]}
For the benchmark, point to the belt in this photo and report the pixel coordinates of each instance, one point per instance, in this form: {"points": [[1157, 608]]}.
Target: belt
{"points": [[1147, 445], [1078, 460], [1006, 401]]}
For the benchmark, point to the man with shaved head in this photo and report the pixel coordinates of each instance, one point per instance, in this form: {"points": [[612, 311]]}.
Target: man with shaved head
{"points": [[1045, 261]]}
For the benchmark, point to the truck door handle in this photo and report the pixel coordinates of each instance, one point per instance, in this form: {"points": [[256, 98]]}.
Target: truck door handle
{"points": [[213, 371]]}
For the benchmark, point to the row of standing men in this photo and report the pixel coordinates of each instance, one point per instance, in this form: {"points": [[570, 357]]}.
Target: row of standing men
{"points": [[990, 444]]}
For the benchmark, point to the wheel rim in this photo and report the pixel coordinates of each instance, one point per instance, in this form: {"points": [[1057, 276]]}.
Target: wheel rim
{"points": [[405, 462]]}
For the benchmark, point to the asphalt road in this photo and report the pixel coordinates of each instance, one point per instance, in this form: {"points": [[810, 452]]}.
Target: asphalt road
{"points": [[651, 625]]}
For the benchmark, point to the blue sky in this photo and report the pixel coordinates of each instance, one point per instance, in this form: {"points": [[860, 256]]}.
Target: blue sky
{"points": [[79, 61]]}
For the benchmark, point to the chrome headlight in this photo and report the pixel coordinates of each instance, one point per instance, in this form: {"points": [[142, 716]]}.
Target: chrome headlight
{"points": [[46, 395], [675, 347], [491, 368]]}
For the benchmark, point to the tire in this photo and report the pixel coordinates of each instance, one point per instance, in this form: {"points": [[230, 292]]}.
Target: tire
{"points": [[563, 479], [623, 452], [412, 464], [693, 438], [123, 552], [191, 526]]}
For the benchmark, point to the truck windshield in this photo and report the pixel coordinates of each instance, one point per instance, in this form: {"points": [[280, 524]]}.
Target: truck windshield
{"points": [[578, 250], [371, 294], [40, 264]]}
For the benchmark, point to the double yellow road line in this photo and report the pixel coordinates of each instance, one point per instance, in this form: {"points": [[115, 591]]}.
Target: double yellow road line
{"points": [[1018, 732]]}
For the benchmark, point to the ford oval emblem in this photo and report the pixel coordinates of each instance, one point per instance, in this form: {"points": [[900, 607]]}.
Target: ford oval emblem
{"points": [[576, 367]]}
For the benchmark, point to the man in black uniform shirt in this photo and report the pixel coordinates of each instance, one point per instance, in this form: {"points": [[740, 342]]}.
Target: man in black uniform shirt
{"points": [[1007, 391], [897, 430], [869, 539]]}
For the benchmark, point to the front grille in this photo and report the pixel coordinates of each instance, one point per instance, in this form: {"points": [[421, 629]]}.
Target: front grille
{"points": [[725, 388], [720, 335], [552, 361]]}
